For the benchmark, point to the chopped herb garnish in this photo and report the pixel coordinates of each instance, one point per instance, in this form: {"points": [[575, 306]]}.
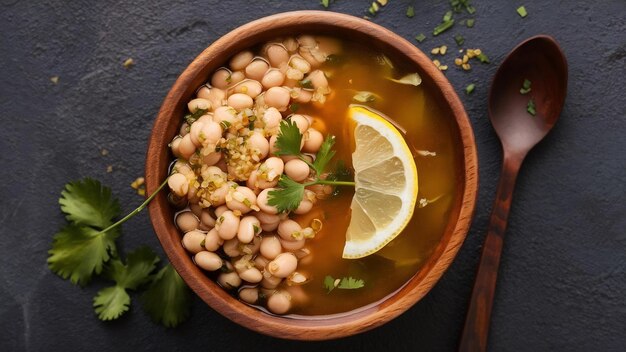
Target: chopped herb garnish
{"points": [[225, 124], [442, 27], [525, 87], [364, 97], [191, 118], [447, 17], [483, 58], [521, 11], [420, 37], [531, 107], [470, 22], [293, 107], [470, 88], [306, 83], [345, 283], [410, 11], [459, 39], [325, 3]]}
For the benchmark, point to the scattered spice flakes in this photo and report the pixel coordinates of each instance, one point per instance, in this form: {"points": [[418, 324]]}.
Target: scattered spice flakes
{"points": [[531, 108], [440, 66], [410, 11], [139, 181], [525, 87], [54, 79], [104, 152], [521, 11], [109, 168], [440, 50], [128, 62], [470, 88], [420, 37], [141, 191]]}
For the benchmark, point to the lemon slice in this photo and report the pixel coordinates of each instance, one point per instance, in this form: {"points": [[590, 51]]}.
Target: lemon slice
{"points": [[386, 184]]}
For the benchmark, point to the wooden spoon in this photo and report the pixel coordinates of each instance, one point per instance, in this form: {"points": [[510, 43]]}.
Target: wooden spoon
{"points": [[540, 60]]}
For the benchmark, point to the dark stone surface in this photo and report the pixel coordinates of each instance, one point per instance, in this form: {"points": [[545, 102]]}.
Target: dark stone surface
{"points": [[562, 282]]}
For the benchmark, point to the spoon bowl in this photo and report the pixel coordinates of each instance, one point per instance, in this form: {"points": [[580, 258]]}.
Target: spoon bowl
{"points": [[540, 60]]}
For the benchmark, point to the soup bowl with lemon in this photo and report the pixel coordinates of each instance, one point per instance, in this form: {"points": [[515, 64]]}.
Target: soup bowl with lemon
{"points": [[321, 175]]}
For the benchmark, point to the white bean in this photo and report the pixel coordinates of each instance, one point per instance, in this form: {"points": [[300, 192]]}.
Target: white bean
{"points": [[257, 68], [249, 87], [260, 262], [241, 199], [192, 241], [240, 101], [302, 95], [273, 78], [184, 129], [277, 97], [175, 145], [262, 202], [179, 184], [301, 121], [259, 143], [269, 222], [213, 241], [249, 226], [279, 302], [198, 104], [186, 221], [270, 247], [220, 210], [194, 132], [297, 170], [224, 113], [283, 265], [277, 54], [186, 147], [292, 245], [269, 281], [208, 260], [229, 281], [212, 158], [304, 207], [291, 44], [211, 133], [241, 60], [236, 77], [227, 225], [196, 209], [249, 295], [231, 248], [251, 275], [271, 119], [221, 78], [313, 140]]}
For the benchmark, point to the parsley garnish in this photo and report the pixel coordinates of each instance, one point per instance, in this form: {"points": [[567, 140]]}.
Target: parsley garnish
{"points": [[525, 87], [111, 302], [530, 107], [345, 283], [420, 37], [167, 300], [410, 11], [191, 118], [289, 193], [470, 88], [86, 245], [521, 11]]}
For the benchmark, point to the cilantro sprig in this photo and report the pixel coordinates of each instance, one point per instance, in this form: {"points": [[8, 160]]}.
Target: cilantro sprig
{"points": [[289, 193], [86, 247]]}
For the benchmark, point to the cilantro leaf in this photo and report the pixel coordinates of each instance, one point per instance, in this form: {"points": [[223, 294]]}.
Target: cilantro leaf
{"points": [[288, 195], [139, 265], [167, 300], [289, 139], [77, 252], [350, 283], [329, 283], [87, 202], [111, 302], [191, 118], [324, 154]]}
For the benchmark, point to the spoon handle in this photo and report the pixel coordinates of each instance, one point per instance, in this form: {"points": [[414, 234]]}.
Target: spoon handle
{"points": [[476, 327]]}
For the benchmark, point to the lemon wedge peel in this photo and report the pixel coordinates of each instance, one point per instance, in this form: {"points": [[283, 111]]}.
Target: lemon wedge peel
{"points": [[360, 241]]}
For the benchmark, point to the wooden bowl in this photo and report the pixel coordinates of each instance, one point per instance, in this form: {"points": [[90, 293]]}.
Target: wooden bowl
{"points": [[167, 125]]}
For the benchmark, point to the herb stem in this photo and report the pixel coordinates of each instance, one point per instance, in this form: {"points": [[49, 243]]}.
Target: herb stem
{"points": [[332, 183], [137, 210]]}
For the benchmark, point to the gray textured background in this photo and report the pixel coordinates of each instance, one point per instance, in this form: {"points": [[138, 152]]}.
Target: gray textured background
{"points": [[562, 282]]}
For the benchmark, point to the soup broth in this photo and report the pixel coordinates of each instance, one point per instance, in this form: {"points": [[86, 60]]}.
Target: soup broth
{"points": [[429, 135]]}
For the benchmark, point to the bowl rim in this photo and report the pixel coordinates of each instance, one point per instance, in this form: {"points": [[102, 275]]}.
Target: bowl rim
{"points": [[337, 325]]}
